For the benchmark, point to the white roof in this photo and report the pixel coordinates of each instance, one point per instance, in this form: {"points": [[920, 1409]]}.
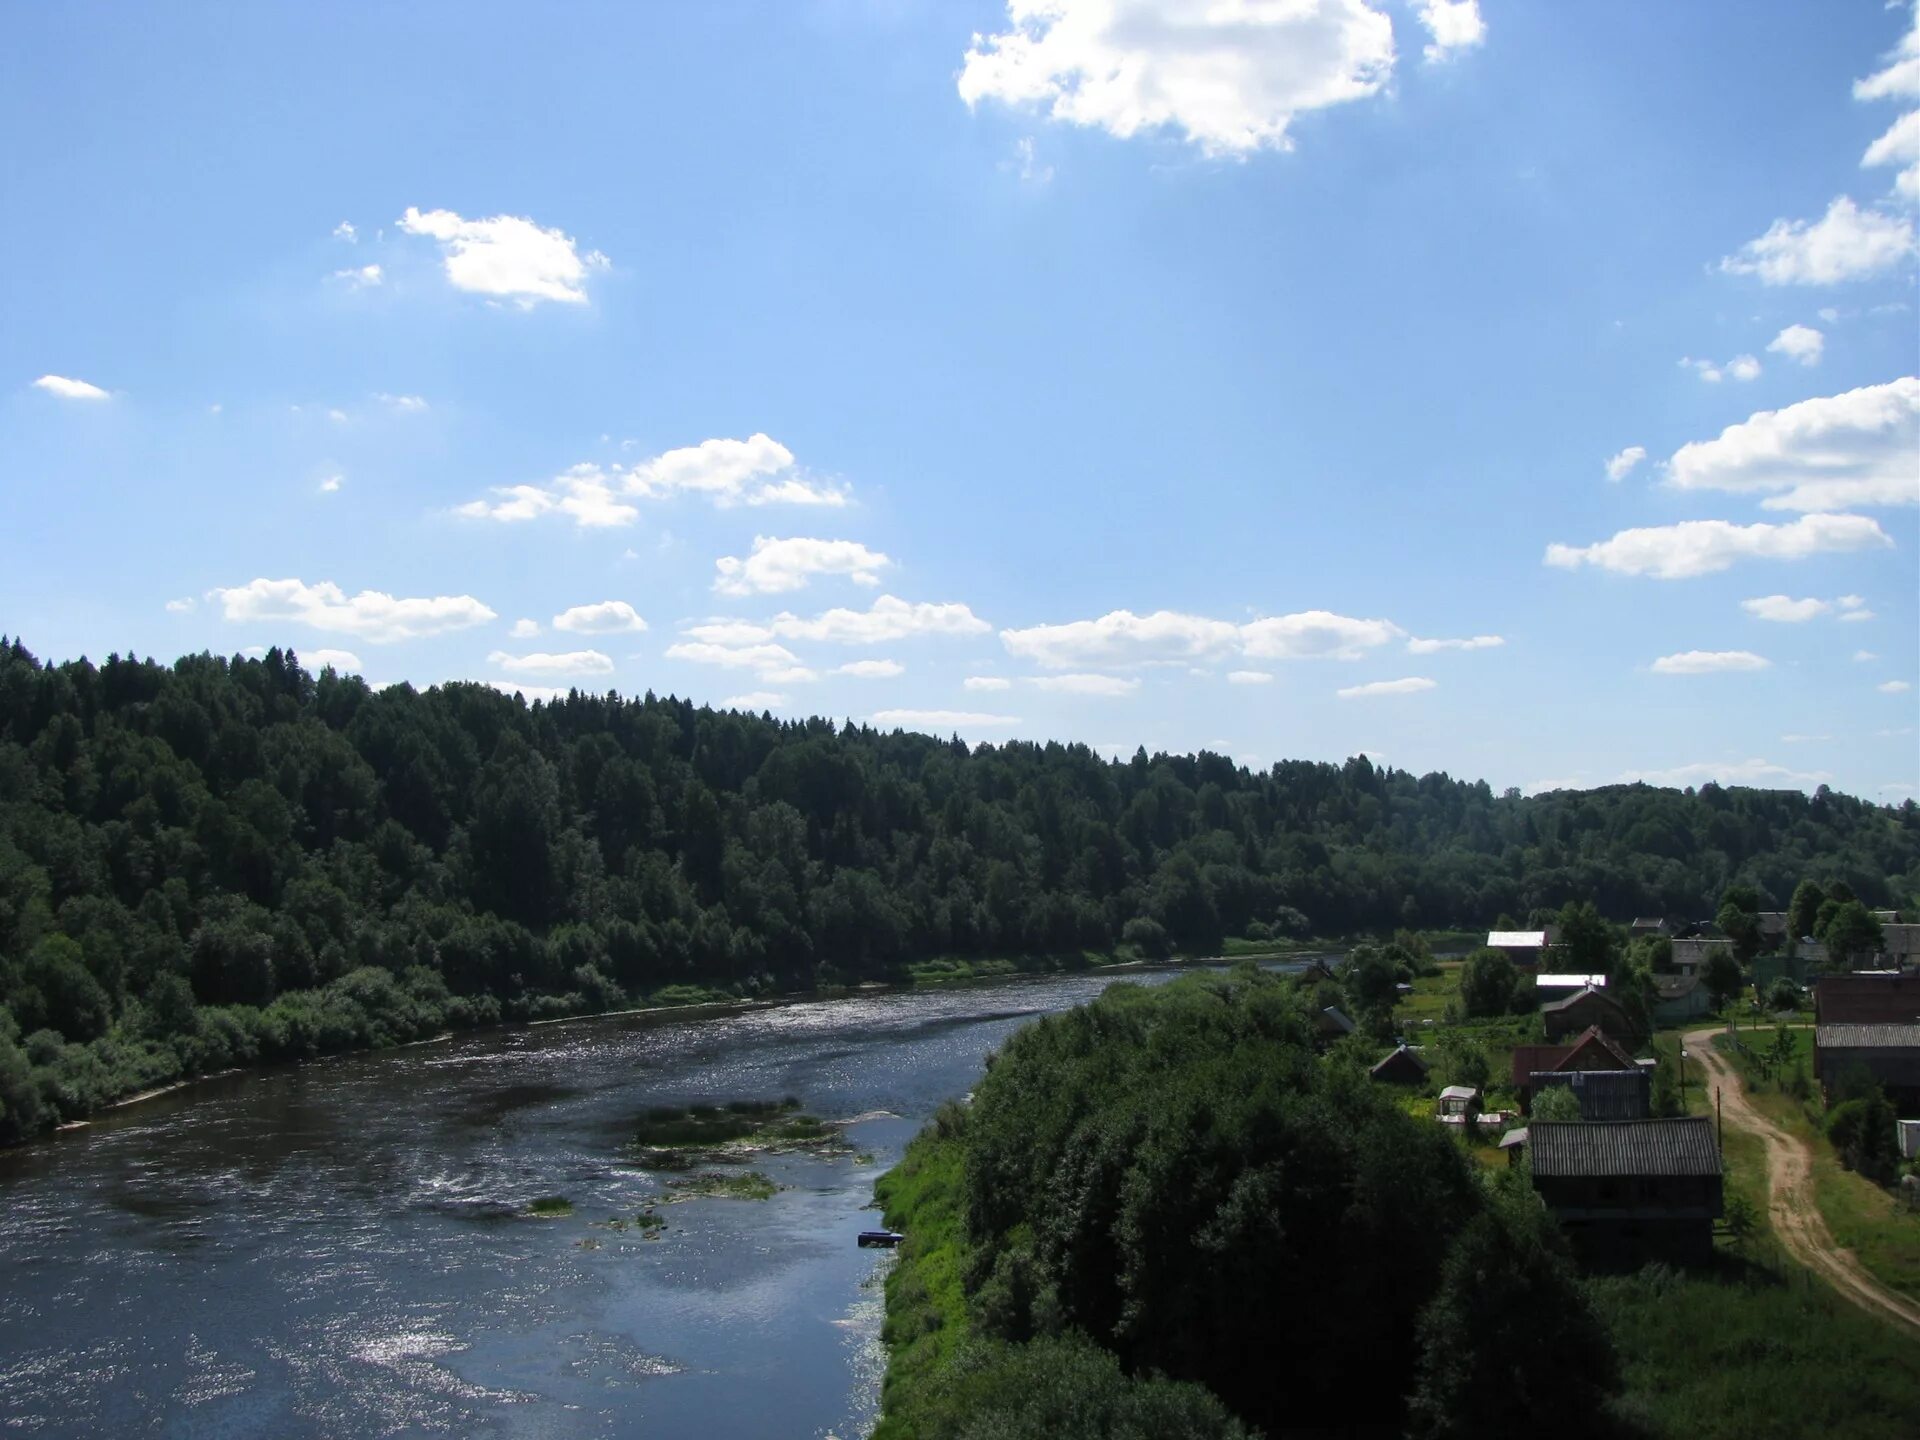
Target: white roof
{"points": [[1458, 1092], [1517, 939], [1571, 982]]}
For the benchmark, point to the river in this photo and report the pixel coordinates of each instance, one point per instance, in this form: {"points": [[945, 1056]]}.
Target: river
{"points": [[341, 1248]]}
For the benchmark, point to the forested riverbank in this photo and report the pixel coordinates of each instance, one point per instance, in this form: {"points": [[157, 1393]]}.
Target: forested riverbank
{"points": [[219, 862]]}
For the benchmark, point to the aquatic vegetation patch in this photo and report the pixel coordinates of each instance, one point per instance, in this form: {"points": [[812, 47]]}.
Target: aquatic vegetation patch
{"points": [[750, 1185], [673, 1137], [551, 1207]]}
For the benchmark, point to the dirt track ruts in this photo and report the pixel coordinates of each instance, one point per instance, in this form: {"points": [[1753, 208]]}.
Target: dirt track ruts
{"points": [[1797, 1221]]}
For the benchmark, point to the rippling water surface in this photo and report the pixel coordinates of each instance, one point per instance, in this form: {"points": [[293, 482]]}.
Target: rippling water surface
{"points": [[341, 1249]]}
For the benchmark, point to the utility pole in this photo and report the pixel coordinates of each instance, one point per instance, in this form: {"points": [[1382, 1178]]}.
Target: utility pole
{"points": [[1719, 1123]]}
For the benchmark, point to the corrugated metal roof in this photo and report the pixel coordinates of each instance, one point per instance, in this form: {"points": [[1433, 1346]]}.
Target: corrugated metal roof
{"points": [[1517, 939], [1572, 1000], [1867, 1037], [1623, 1147], [1570, 982], [1458, 1092]]}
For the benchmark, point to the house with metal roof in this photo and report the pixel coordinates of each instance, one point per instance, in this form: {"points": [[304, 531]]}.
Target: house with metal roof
{"points": [[1889, 1055], [1867, 997], [1649, 925], [1588, 1008], [1457, 1102], [1630, 1191], [1605, 1094], [1593, 1050], [1402, 1067], [1523, 947], [1690, 956], [1679, 998]]}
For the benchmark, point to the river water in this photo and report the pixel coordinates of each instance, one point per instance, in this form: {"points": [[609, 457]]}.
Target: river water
{"points": [[341, 1248]]}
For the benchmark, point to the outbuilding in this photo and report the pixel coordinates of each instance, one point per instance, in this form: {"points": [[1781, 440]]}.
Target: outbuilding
{"points": [[1630, 1191]]}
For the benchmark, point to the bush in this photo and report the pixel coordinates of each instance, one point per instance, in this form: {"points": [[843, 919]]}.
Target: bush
{"points": [[1149, 937], [1487, 983]]}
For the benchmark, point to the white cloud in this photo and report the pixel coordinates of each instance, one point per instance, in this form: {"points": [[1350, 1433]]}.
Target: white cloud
{"points": [[1107, 686], [1231, 77], [1121, 637], [507, 256], [318, 660], [1788, 611], [1455, 25], [570, 662], [1893, 687], [1899, 146], [942, 720], [887, 619], [582, 494], [728, 632], [338, 417], [1857, 617], [1476, 642], [1621, 465], [363, 277], [1848, 243], [183, 606], [755, 700], [524, 629], [1729, 772], [1803, 739], [1900, 78], [1709, 662], [774, 663], [371, 614], [402, 404], [530, 693], [1249, 677], [1799, 342], [345, 231], [870, 669], [609, 617], [986, 682], [1412, 685], [776, 566], [1744, 367], [1705, 369], [1703, 547], [332, 484], [789, 675], [756, 471], [1855, 448], [1861, 655], [1029, 168], [70, 389]]}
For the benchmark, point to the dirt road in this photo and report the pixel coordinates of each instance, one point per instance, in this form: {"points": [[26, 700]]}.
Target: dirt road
{"points": [[1797, 1221]]}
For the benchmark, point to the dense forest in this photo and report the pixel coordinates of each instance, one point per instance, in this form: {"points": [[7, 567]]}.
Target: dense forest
{"points": [[1248, 1234], [220, 860]]}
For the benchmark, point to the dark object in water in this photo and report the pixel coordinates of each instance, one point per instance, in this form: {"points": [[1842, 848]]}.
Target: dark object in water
{"points": [[886, 1238]]}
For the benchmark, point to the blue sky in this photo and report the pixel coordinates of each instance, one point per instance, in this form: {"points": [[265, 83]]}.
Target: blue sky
{"points": [[1132, 372]]}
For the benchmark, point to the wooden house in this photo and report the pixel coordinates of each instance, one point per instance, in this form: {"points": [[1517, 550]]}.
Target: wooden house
{"points": [[1889, 1055], [1525, 948], [1867, 997], [1680, 998], [1630, 1191], [1588, 1008], [1605, 1094], [1593, 1050], [1402, 1067]]}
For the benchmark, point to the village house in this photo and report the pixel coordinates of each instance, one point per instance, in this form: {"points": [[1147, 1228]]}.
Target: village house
{"points": [[1630, 1191], [1525, 948], [1558, 987], [1589, 1007], [1402, 1067], [1680, 998], [1900, 946], [1605, 1094], [1594, 1050], [1690, 956], [1867, 997], [1889, 1055], [1654, 926], [1333, 1022]]}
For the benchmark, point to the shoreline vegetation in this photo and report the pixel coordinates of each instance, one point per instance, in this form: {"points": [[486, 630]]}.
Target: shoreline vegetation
{"points": [[1068, 1167]]}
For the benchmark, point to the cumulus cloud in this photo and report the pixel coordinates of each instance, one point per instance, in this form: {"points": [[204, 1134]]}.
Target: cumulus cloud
{"points": [[1106, 686], [68, 389], [570, 662], [1744, 367], [318, 660], [524, 629], [776, 566], [935, 721], [1709, 662], [182, 606], [1760, 773], [1475, 642], [1705, 369], [887, 619], [1893, 687], [1862, 655], [1249, 677], [870, 669], [1799, 342], [1121, 637], [986, 682], [1899, 146], [1455, 25], [1899, 78], [1785, 610], [331, 484], [345, 231], [728, 632], [1230, 77], [1621, 465], [1847, 243], [1703, 547], [755, 700], [1856, 448], [756, 471], [372, 614], [609, 617], [507, 256], [1412, 685], [774, 664], [402, 404], [361, 277]]}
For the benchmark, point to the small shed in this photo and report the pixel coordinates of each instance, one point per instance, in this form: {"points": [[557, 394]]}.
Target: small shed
{"points": [[1402, 1067], [1523, 947], [1630, 1191], [1590, 1007], [1333, 1022], [1458, 1101]]}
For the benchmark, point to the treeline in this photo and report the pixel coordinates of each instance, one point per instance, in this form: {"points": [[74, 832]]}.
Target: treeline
{"points": [[1173, 1182], [227, 860]]}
